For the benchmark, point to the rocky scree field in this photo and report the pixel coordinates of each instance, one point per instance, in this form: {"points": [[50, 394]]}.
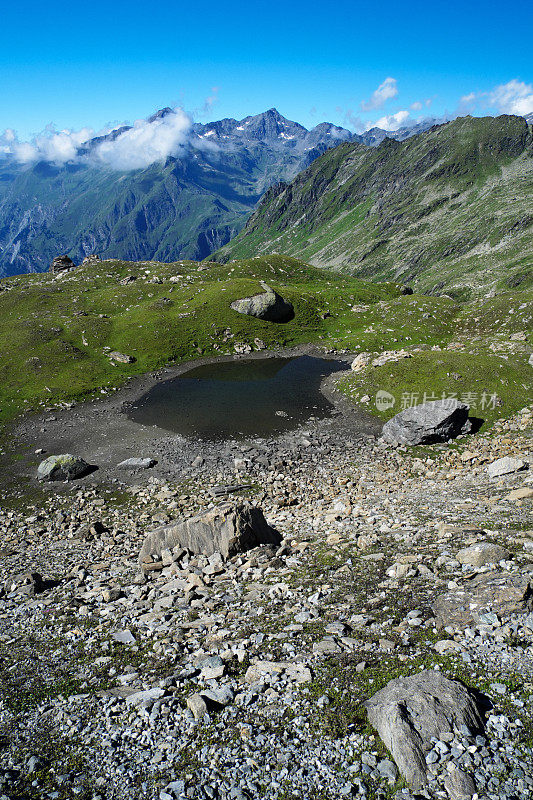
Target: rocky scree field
{"points": [[247, 678]]}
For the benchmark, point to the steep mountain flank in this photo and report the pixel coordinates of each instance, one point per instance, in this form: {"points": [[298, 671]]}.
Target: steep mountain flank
{"points": [[451, 208]]}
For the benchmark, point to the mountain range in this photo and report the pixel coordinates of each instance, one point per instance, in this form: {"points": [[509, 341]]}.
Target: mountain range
{"points": [[449, 209], [183, 207]]}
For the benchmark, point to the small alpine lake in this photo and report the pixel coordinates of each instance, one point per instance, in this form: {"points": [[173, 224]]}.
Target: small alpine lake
{"points": [[246, 397]]}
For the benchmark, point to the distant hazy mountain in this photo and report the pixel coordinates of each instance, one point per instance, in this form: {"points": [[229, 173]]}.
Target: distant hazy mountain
{"points": [[450, 209], [183, 208], [375, 136]]}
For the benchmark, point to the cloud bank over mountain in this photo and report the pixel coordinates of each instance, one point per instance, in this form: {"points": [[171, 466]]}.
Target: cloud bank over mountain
{"points": [[146, 142], [55, 147], [513, 97]]}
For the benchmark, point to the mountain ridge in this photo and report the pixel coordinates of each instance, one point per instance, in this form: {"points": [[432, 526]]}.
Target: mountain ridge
{"points": [[182, 207], [450, 207]]}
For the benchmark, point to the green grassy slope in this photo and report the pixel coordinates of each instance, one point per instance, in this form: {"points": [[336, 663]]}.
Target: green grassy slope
{"points": [[450, 209], [56, 331]]}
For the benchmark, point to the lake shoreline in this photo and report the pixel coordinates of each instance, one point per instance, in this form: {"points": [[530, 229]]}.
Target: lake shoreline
{"points": [[101, 432]]}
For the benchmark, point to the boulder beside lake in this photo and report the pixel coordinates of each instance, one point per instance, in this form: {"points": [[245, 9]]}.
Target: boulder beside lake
{"points": [[268, 305], [137, 463], [227, 529], [65, 467], [428, 423], [123, 358]]}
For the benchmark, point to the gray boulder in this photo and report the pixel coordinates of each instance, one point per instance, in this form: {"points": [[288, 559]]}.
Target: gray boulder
{"points": [[61, 263], [268, 305], [227, 529], [505, 466], [65, 467], [137, 463], [123, 358], [408, 712], [428, 423], [482, 553]]}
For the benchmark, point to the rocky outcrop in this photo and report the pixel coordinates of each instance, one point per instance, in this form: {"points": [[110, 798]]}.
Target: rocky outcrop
{"points": [[123, 358], [61, 263], [408, 713], [89, 260], [65, 467], [428, 423], [228, 529], [267, 305]]}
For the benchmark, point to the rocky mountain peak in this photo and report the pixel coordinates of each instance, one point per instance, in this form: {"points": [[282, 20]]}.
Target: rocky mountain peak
{"points": [[161, 114]]}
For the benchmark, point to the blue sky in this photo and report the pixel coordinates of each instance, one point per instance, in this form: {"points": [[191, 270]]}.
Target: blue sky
{"points": [[90, 64]]}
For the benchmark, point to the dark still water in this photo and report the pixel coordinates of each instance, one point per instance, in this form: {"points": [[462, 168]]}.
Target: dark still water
{"points": [[255, 397]]}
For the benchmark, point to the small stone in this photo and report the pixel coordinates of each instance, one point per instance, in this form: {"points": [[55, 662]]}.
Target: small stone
{"points": [[197, 705], [459, 785], [447, 646], [482, 553], [398, 570], [137, 463], [125, 637], [388, 769], [523, 493]]}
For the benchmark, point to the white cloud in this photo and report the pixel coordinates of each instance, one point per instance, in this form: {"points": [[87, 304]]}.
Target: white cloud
{"points": [[7, 139], [147, 142], [209, 102], [384, 92], [416, 106], [137, 147], [514, 97], [353, 121], [391, 122], [55, 147]]}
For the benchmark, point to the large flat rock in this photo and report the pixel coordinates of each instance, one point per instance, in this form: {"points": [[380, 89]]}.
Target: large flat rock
{"points": [[505, 466], [227, 529], [409, 711], [490, 592]]}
